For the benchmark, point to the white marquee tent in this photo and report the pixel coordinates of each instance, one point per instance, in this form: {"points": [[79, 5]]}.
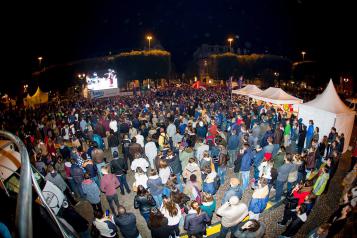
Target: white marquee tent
{"points": [[276, 96], [247, 90], [327, 110]]}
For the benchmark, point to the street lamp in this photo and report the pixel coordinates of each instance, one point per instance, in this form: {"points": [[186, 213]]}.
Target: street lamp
{"points": [[303, 53], [230, 40], [39, 61], [149, 38]]}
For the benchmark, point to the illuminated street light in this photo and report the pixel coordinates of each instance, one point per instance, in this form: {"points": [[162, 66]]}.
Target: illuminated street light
{"points": [[39, 61], [149, 38], [230, 40], [303, 53]]}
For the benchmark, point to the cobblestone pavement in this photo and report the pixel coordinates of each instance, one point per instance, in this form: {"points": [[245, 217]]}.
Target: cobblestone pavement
{"points": [[325, 205]]}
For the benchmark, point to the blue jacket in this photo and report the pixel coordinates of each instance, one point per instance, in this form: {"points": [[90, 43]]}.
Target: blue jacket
{"points": [[257, 205], [201, 131], [258, 158], [310, 131], [246, 160], [232, 191], [233, 142]]}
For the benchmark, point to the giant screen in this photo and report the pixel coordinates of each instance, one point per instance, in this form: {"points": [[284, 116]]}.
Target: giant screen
{"points": [[107, 80]]}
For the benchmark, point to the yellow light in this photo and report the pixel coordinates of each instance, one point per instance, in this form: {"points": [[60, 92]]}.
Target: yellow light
{"points": [[230, 40], [40, 58], [209, 81], [149, 37], [195, 78]]}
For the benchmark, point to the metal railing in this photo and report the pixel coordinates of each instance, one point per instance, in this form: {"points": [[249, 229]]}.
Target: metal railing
{"points": [[24, 198]]}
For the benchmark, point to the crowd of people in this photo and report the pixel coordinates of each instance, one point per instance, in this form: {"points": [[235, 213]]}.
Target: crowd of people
{"points": [[180, 144]]}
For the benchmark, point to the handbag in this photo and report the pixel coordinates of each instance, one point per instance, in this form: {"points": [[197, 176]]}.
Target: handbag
{"points": [[135, 187]]}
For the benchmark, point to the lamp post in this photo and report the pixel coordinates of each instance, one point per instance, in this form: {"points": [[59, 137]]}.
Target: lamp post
{"points": [[39, 61], [303, 53], [230, 40], [149, 38]]}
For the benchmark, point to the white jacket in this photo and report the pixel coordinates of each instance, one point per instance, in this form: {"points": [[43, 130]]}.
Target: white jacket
{"points": [[140, 162], [150, 150], [232, 214], [172, 220], [164, 174]]}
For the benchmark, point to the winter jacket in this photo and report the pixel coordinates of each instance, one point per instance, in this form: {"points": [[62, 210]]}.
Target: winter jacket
{"points": [[118, 166], [90, 167], [57, 180], [195, 223], [278, 160], [144, 203], [232, 191], [77, 173], [232, 214], [301, 195], [246, 160], [259, 200], [150, 150], [209, 207], [162, 231], [113, 141], [127, 225], [251, 234], [233, 142], [283, 172], [155, 185], [258, 158], [140, 162], [175, 164], [109, 184], [278, 136], [91, 191], [320, 184]]}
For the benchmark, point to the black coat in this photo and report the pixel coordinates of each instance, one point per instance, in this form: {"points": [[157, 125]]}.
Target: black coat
{"points": [[118, 166], [144, 203], [127, 225], [196, 224], [175, 164], [162, 231]]}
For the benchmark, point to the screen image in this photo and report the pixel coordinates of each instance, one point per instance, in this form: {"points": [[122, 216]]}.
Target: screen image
{"points": [[107, 80]]}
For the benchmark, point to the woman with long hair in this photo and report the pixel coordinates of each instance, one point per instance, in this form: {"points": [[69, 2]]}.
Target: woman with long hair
{"points": [[195, 221], [164, 171], [158, 224], [172, 212]]}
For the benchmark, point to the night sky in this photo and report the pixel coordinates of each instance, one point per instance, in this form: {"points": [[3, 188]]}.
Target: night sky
{"points": [[63, 31]]}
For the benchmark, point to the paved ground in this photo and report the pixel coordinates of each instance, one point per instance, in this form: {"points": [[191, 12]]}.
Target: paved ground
{"points": [[326, 204]]}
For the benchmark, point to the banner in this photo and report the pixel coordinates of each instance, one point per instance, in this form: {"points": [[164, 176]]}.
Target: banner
{"points": [[108, 93]]}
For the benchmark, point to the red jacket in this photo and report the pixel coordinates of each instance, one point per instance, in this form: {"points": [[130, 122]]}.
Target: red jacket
{"points": [[301, 196]]}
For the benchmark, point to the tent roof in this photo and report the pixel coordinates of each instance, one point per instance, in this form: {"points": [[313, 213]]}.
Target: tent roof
{"points": [[329, 101], [38, 92], [276, 96], [247, 90]]}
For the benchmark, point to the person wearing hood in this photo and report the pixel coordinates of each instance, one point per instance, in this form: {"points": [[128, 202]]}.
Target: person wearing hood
{"points": [[245, 166], [232, 213], [92, 192], [155, 186], [234, 190], [251, 229], [259, 199]]}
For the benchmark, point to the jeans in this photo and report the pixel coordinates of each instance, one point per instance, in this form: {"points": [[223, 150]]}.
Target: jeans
{"points": [[179, 182], [222, 172], [245, 179], [279, 186], [158, 200], [111, 199], [232, 157], [146, 216], [290, 186], [224, 231], [123, 183]]}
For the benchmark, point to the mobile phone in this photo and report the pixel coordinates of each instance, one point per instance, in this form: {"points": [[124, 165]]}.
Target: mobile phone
{"points": [[107, 212]]}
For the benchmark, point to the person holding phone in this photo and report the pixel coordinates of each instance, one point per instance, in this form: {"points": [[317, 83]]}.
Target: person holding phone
{"points": [[105, 224]]}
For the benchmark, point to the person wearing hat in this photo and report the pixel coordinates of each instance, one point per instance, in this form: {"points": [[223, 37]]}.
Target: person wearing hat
{"points": [[234, 190], [232, 213]]}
